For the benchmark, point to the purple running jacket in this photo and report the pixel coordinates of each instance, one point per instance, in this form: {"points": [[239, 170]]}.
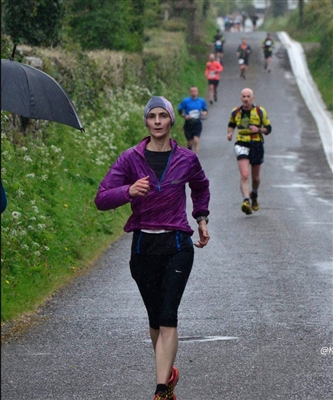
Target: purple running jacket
{"points": [[165, 205]]}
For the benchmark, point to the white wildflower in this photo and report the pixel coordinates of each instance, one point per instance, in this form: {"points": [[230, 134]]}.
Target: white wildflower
{"points": [[27, 159], [55, 149], [30, 175], [16, 214]]}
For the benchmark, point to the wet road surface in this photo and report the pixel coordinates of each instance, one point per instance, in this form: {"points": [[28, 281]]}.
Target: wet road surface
{"points": [[255, 322]]}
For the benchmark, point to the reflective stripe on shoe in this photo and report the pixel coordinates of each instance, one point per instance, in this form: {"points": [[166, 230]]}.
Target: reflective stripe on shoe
{"points": [[160, 396], [173, 382], [164, 396]]}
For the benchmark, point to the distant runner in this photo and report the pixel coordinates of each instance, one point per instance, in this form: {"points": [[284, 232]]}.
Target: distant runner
{"points": [[252, 123], [243, 54], [218, 45], [267, 47], [193, 109], [212, 72], [254, 19]]}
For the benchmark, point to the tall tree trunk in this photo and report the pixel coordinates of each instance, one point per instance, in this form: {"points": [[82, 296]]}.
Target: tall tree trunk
{"points": [[301, 11], [205, 8]]}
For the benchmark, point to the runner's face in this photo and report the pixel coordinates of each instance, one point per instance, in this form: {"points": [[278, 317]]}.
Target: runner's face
{"points": [[247, 98], [158, 123], [194, 92]]}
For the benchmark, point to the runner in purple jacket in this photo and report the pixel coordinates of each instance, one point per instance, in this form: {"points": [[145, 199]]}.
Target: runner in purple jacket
{"points": [[152, 176]]}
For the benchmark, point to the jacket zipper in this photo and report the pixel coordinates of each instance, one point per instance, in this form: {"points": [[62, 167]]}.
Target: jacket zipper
{"points": [[158, 182]]}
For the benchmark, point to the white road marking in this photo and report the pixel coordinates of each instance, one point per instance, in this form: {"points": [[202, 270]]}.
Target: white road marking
{"points": [[206, 338], [294, 186], [192, 339]]}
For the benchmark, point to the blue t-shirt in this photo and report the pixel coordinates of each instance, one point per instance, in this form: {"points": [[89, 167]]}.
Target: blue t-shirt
{"points": [[193, 107]]}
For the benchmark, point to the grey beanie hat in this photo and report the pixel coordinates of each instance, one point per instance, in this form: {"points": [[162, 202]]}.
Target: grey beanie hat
{"points": [[159, 101]]}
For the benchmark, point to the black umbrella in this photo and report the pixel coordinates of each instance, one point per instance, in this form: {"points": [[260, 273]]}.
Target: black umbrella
{"points": [[32, 93]]}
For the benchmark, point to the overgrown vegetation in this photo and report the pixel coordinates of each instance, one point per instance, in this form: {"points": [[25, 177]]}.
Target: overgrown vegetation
{"points": [[51, 226]]}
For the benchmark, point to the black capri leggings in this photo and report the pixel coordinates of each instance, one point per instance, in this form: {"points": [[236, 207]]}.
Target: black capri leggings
{"points": [[161, 280]]}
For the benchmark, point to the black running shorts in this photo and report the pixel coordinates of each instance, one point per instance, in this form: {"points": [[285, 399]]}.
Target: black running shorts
{"points": [[253, 151], [161, 266], [268, 54], [214, 82], [192, 128]]}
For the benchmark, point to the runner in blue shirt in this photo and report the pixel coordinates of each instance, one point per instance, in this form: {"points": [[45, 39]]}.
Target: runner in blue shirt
{"points": [[193, 109]]}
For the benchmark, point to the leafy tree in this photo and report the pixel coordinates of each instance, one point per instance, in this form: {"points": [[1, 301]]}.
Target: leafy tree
{"points": [[34, 22], [225, 7], [6, 46], [153, 14], [301, 10], [102, 24], [279, 7]]}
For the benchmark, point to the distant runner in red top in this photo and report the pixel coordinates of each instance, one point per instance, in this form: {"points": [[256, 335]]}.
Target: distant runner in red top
{"points": [[213, 70]]}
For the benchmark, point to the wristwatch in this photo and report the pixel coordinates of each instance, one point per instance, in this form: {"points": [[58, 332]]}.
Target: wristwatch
{"points": [[203, 219]]}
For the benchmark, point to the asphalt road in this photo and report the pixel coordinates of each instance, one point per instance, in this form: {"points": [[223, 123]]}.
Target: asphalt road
{"points": [[255, 322]]}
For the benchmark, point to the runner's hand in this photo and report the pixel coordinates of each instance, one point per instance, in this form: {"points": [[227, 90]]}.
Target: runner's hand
{"points": [[254, 129], [203, 235], [140, 188]]}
